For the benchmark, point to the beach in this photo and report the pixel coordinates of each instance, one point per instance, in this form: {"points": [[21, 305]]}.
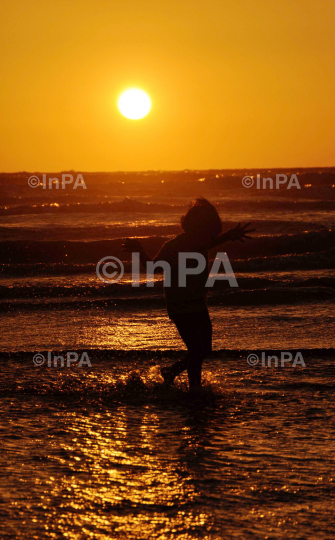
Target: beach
{"points": [[102, 449]]}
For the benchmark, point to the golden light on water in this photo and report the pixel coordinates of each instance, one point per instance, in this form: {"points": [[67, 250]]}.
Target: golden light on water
{"points": [[127, 462], [134, 104]]}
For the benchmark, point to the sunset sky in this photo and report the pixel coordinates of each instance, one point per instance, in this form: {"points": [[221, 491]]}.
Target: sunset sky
{"points": [[233, 84]]}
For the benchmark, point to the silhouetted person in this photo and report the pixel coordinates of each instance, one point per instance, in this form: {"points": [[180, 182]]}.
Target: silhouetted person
{"points": [[186, 306]]}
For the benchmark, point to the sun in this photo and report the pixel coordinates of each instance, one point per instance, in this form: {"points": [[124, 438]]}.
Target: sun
{"points": [[134, 104]]}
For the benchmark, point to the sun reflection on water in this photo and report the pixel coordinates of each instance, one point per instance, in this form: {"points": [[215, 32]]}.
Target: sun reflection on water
{"points": [[117, 475]]}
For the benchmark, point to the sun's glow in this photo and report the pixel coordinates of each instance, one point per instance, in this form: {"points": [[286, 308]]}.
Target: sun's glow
{"points": [[134, 104]]}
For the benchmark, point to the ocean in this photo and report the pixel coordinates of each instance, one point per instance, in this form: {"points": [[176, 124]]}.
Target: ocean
{"points": [[101, 448]]}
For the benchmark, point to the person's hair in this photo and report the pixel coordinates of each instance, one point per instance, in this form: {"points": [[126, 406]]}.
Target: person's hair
{"points": [[201, 215]]}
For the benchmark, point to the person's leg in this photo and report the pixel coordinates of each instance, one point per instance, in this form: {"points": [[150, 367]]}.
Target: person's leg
{"points": [[171, 372], [196, 331], [205, 324], [199, 348], [183, 326]]}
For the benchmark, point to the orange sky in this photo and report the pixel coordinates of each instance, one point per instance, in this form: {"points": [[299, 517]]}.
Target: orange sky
{"points": [[233, 84]]}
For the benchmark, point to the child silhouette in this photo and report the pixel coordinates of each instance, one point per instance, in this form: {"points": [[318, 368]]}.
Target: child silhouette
{"points": [[186, 305]]}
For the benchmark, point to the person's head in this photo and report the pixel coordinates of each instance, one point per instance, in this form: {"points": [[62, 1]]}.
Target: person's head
{"points": [[201, 219]]}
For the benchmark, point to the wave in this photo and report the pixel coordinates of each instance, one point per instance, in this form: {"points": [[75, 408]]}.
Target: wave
{"points": [[109, 229], [94, 290], [57, 205], [281, 263], [137, 385], [306, 261], [111, 355], [228, 297], [20, 252]]}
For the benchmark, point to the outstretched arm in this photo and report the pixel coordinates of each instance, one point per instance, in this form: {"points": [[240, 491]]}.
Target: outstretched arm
{"points": [[133, 245], [237, 233]]}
